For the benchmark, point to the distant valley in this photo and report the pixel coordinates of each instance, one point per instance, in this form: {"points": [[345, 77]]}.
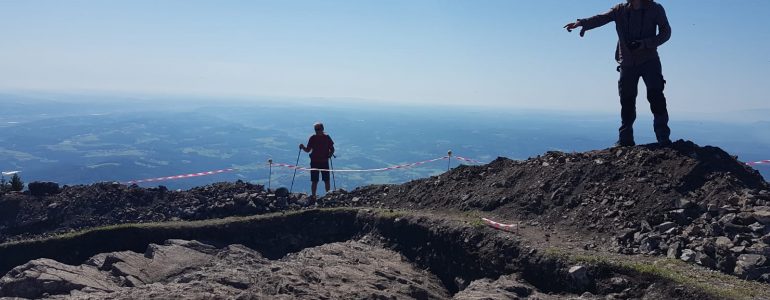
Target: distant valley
{"points": [[81, 140]]}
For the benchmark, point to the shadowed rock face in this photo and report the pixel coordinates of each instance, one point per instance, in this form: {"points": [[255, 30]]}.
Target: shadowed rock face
{"points": [[105, 272], [45, 276], [188, 269]]}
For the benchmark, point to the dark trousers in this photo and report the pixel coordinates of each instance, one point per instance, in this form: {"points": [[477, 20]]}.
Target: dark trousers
{"points": [[319, 165], [652, 74]]}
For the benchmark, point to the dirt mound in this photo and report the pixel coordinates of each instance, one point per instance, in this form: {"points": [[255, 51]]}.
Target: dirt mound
{"points": [[695, 203], [84, 206], [599, 189]]}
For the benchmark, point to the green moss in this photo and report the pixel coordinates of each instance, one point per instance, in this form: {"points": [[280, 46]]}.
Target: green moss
{"points": [[476, 223], [169, 225], [715, 283], [390, 213]]}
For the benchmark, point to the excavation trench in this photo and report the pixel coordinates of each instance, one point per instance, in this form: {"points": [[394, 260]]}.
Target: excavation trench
{"points": [[454, 251]]}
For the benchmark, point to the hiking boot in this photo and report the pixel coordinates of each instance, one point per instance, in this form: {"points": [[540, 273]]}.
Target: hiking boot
{"points": [[624, 144], [664, 143]]}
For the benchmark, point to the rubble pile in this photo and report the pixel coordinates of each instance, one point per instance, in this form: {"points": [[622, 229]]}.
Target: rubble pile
{"points": [[84, 206], [697, 204]]}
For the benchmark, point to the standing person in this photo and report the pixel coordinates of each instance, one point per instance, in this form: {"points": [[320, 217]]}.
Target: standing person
{"points": [[322, 148], [642, 26]]}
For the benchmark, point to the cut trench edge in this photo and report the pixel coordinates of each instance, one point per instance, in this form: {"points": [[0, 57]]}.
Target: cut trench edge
{"points": [[476, 251]]}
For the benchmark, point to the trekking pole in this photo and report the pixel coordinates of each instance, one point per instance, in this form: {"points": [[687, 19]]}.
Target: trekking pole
{"points": [[449, 160], [331, 164], [296, 165], [270, 174]]}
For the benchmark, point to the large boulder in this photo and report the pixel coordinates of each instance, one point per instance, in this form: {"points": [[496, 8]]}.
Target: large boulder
{"points": [[505, 287], [106, 272], [688, 255], [282, 192], [158, 262], [578, 276], [762, 214], [45, 276], [41, 188], [751, 266]]}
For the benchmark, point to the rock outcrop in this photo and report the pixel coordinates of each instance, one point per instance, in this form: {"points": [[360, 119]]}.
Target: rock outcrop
{"points": [[42, 277], [189, 269], [696, 204]]}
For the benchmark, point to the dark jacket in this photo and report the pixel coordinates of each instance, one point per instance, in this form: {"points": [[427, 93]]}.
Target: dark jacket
{"points": [[322, 147], [649, 25]]}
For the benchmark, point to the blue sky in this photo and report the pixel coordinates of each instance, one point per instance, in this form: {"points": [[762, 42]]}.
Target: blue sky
{"points": [[483, 53]]}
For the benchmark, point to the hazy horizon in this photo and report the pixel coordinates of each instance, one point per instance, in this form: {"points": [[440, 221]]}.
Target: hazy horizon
{"points": [[123, 90], [496, 54], [171, 100], [83, 139]]}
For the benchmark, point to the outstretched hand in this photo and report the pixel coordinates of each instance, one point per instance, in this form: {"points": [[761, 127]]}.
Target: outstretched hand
{"points": [[574, 25]]}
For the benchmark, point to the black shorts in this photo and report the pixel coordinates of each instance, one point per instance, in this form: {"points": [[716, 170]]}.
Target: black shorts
{"points": [[319, 165]]}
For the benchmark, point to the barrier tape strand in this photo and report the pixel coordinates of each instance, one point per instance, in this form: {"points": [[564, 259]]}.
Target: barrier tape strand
{"points": [[295, 167], [300, 168], [362, 170], [181, 176], [760, 162], [501, 226]]}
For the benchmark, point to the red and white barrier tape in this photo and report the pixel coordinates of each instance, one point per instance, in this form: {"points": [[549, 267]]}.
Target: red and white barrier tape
{"points": [[182, 176], [489, 222], [754, 163], [363, 170], [761, 162], [287, 166], [500, 226]]}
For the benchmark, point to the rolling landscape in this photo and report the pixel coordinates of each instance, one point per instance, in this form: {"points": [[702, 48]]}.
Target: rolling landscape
{"points": [[483, 150], [87, 139]]}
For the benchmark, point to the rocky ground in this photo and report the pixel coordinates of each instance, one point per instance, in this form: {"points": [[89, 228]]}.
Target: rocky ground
{"points": [[696, 204], [187, 269], [387, 257], [23, 215]]}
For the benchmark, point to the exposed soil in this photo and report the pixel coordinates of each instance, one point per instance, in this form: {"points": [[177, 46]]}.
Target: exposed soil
{"points": [[687, 202], [599, 190], [690, 203]]}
